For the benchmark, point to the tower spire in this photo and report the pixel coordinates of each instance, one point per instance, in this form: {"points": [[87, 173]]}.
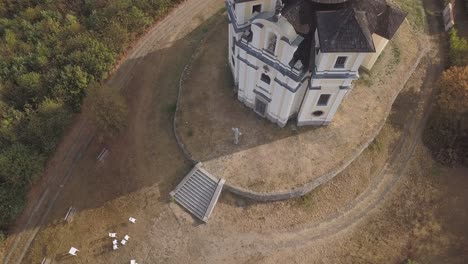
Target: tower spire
{"points": [[278, 8]]}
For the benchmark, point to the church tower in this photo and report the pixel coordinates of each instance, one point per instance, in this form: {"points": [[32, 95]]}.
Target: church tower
{"points": [[298, 58]]}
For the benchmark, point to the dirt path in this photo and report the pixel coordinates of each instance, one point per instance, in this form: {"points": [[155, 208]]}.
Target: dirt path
{"points": [[239, 247], [144, 164], [76, 144]]}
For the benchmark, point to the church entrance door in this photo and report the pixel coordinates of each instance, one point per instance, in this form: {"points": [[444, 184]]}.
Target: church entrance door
{"points": [[260, 107]]}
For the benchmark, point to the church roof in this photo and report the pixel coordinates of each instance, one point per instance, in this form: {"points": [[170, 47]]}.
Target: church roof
{"points": [[347, 26], [345, 30]]}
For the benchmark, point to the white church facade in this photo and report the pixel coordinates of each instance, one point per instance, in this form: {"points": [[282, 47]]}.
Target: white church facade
{"points": [[299, 58]]}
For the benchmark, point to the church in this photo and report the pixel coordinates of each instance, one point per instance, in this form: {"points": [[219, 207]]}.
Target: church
{"points": [[299, 58]]}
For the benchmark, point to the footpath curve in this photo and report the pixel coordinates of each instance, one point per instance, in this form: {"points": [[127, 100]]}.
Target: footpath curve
{"points": [[310, 186]]}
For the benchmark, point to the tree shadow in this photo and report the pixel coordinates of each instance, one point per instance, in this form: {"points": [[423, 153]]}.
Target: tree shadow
{"points": [[144, 156]]}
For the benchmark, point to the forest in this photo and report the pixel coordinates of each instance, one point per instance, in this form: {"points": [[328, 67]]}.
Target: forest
{"points": [[51, 52]]}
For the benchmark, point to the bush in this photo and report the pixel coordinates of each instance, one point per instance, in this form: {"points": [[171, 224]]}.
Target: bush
{"points": [[458, 49], [447, 130], [45, 126], [109, 110], [11, 203], [20, 165], [453, 85]]}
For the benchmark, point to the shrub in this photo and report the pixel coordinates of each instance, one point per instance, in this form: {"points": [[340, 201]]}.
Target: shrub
{"points": [[46, 125], [20, 165], [453, 85], [447, 132], [458, 49], [109, 110], [11, 203]]}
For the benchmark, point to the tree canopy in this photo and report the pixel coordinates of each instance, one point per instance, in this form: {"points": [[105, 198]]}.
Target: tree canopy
{"points": [[51, 51]]}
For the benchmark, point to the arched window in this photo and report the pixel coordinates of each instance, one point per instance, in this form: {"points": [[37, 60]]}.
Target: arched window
{"points": [[271, 44], [265, 78]]}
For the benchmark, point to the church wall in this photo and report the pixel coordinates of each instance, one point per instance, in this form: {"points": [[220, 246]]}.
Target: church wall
{"points": [[289, 91], [243, 11], [336, 89], [380, 44], [326, 61]]}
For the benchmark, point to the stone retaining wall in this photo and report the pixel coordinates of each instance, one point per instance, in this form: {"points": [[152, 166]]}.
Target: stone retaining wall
{"points": [[308, 187]]}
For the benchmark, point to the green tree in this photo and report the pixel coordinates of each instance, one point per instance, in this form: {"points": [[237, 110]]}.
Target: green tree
{"points": [[11, 203], [109, 110], [71, 85], [10, 119], [20, 165], [91, 55], [46, 125], [458, 49]]}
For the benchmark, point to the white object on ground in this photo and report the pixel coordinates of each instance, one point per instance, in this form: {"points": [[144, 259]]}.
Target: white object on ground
{"points": [[237, 133], [126, 237], [115, 242], [115, 247], [133, 261], [112, 234], [131, 219], [123, 242], [73, 251]]}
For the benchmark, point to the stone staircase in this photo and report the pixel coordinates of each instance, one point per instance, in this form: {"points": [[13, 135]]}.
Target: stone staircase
{"points": [[198, 192]]}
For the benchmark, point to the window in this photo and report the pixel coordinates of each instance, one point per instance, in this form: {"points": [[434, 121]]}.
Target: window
{"points": [[323, 99], [260, 107], [271, 45], [233, 62], [340, 61], [317, 113], [256, 9], [233, 44], [265, 78]]}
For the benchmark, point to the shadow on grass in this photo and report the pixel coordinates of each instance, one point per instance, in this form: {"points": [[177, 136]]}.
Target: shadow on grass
{"points": [[144, 155]]}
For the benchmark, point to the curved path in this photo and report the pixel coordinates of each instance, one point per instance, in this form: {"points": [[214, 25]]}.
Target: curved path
{"points": [[165, 32], [288, 163], [235, 245]]}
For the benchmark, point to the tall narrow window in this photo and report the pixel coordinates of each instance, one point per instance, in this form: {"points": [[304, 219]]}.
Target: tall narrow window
{"points": [[271, 45], [323, 99], [256, 9], [340, 61], [265, 78], [233, 44]]}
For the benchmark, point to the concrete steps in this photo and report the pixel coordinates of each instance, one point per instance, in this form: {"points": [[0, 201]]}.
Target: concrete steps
{"points": [[198, 192]]}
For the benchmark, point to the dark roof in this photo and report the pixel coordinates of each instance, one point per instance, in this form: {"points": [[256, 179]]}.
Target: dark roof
{"points": [[384, 19], [298, 14], [345, 30], [379, 17]]}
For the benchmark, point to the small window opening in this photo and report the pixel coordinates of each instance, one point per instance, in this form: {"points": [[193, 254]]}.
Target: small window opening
{"points": [[323, 100], [256, 9], [233, 44], [265, 78], [340, 62], [233, 61], [271, 47], [317, 113]]}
